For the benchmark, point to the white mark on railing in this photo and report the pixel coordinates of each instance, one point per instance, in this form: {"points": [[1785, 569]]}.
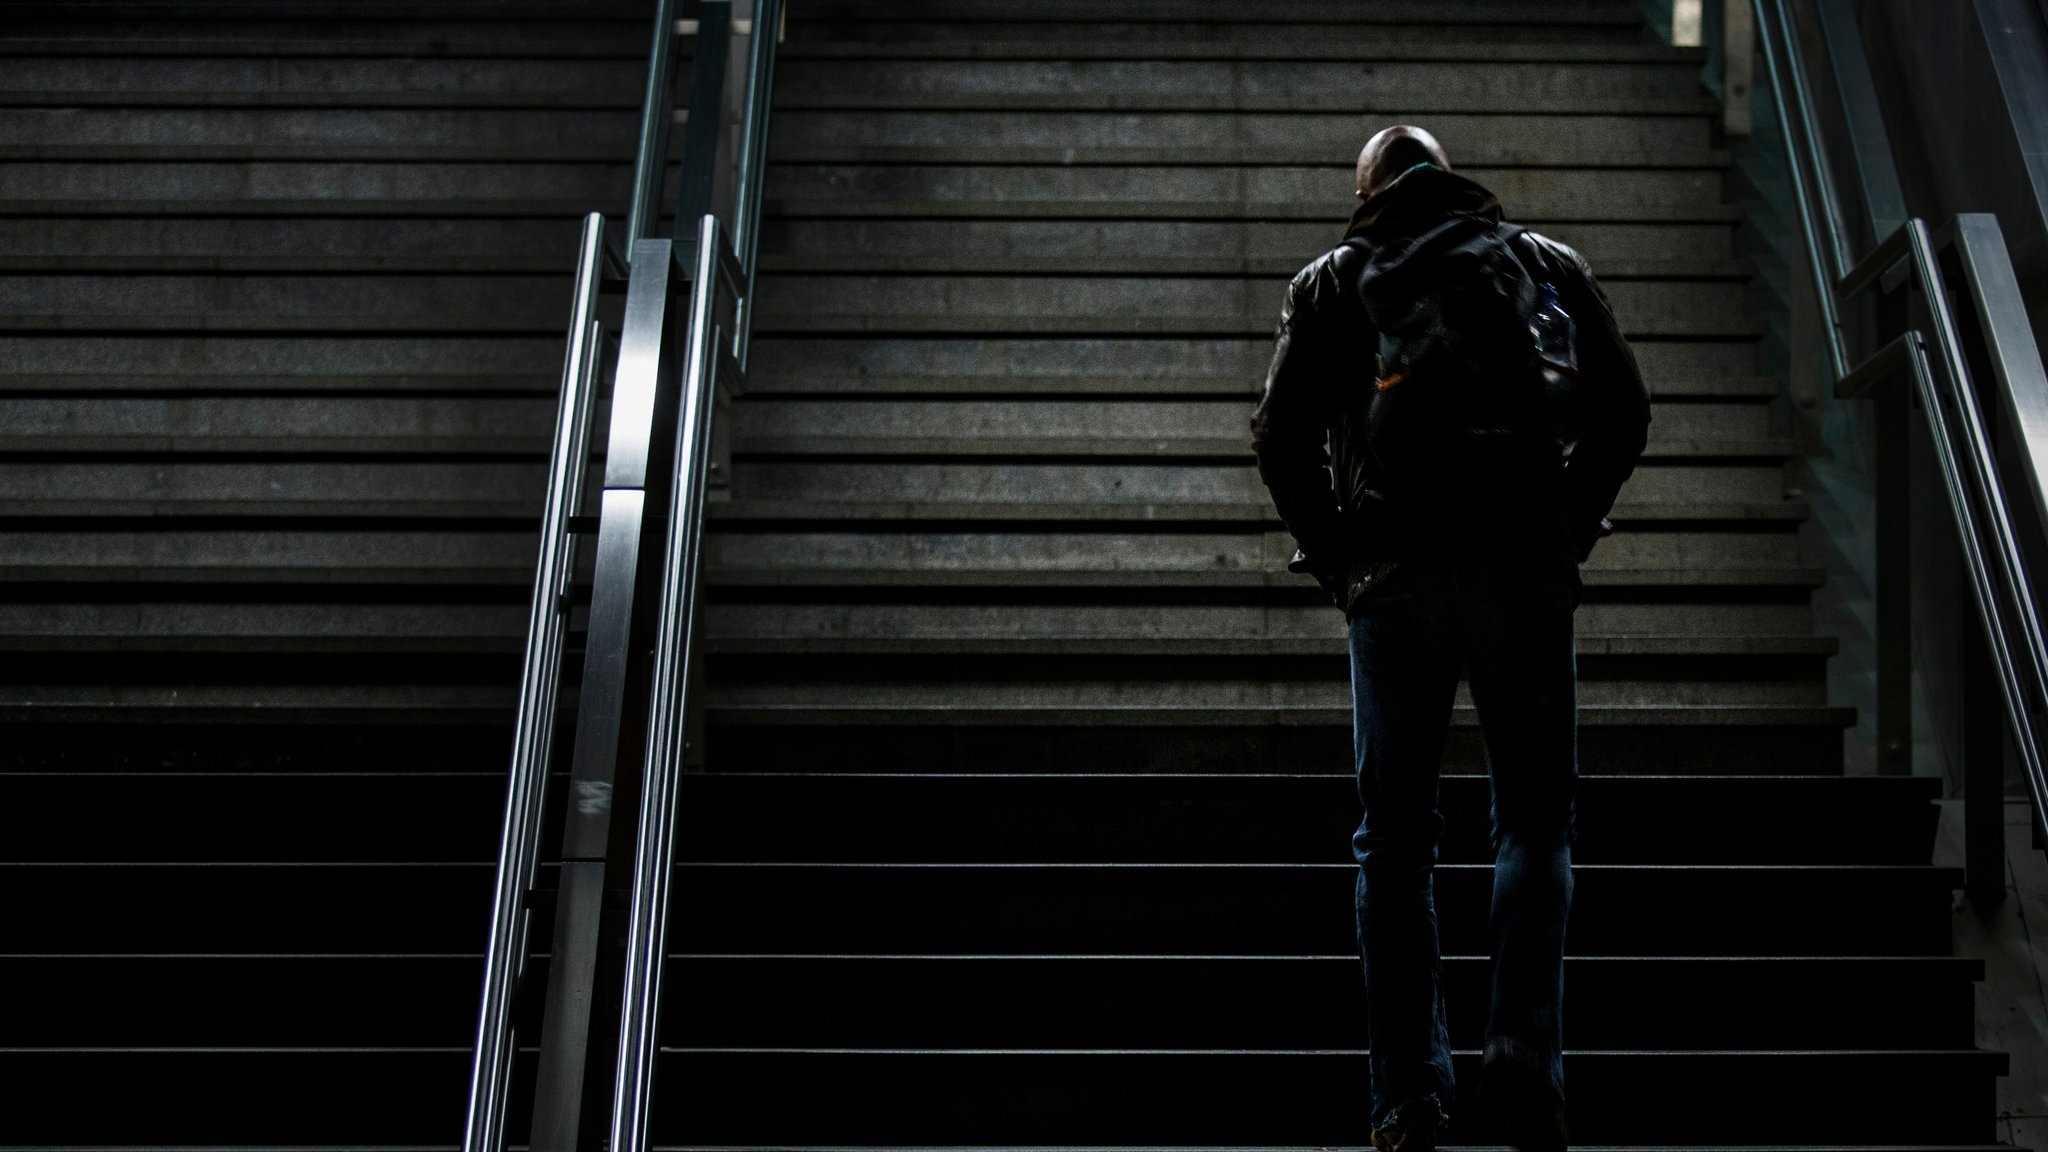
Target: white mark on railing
{"points": [[593, 797]]}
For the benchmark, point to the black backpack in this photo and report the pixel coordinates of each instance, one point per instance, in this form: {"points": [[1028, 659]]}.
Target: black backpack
{"points": [[1459, 387]]}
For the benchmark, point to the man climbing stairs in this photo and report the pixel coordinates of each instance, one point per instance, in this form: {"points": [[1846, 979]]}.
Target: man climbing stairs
{"points": [[1026, 806]]}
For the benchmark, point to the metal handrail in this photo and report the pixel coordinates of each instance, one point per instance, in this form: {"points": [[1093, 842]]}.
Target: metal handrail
{"points": [[2000, 582], [710, 363], [650, 160], [505, 957], [752, 168], [675, 633], [534, 725], [1808, 169]]}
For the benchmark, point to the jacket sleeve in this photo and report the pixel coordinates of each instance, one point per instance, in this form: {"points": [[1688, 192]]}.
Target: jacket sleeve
{"points": [[1616, 409], [1291, 426]]}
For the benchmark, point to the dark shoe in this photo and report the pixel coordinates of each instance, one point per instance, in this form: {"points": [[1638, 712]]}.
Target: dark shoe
{"points": [[1530, 1111], [1411, 1128], [1414, 1138]]}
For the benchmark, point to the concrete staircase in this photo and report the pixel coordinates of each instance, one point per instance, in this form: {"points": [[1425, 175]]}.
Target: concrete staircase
{"points": [[1027, 812], [282, 293]]}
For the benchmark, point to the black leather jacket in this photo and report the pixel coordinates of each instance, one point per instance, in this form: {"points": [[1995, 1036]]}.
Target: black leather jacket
{"points": [[1352, 526]]}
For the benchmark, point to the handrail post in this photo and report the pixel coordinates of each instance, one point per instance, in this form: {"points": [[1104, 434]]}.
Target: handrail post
{"points": [[1892, 597], [534, 725], [1983, 746]]}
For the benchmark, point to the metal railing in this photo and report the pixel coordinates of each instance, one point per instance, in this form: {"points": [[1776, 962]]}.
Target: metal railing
{"points": [[714, 369], [533, 729], [670, 381], [1984, 475]]}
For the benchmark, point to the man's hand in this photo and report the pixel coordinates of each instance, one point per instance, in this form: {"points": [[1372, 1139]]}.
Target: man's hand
{"points": [[1330, 581]]}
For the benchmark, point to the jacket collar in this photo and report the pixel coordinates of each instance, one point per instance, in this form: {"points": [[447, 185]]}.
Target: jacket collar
{"points": [[1417, 200]]}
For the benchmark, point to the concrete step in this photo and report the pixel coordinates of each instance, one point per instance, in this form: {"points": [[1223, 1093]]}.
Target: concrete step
{"points": [[1766, 581], [1349, 86], [270, 556], [1671, 741], [1069, 1002], [401, 696], [1618, 910], [1225, 138], [1286, 909], [281, 363], [1190, 511], [934, 560], [99, 244], [1097, 816], [523, 425], [175, 624], [1678, 429], [116, 426], [1193, 448], [786, 365], [1045, 488], [905, 14], [1656, 610], [829, 1098], [315, 16], [1058, 305], [618, 31], [423, 302], [1447, 46], [1203, 363], [1366, 28], [1185, 247], [1179, 192], [1075, 553], [317, 187], [1061, 688], [126, 616], [775, 492], [1300, 1002], [352, 490], [322, 135], [404, 80], [1174, 1096]]}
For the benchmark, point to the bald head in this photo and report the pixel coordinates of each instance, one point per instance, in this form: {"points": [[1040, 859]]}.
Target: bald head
{"points": [[1393, 151]]}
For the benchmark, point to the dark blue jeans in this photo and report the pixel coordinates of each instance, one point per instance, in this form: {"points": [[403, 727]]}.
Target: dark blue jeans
{"points": [[1508, 626]]}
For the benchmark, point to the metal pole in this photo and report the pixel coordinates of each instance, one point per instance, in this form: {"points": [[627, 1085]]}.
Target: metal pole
{"points": [[650, 163], [2012, 572], [753, 169], [1983, 740], [1818, 222], [533, 727]]}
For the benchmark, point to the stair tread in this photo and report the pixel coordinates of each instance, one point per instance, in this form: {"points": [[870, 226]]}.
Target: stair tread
{"points": [[1151, 512]]}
